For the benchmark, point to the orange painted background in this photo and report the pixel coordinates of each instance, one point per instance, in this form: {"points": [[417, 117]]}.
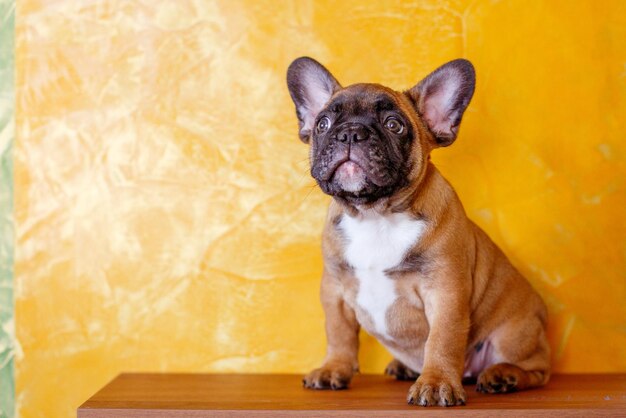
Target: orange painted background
{"points": [[165, 217]]}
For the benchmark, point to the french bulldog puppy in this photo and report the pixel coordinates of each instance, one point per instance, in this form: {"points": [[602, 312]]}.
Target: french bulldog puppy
{"points": [[401, 257]]}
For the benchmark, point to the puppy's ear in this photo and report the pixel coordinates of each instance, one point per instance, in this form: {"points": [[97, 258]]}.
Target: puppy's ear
{"points": [[310, 86], [441, 99]]}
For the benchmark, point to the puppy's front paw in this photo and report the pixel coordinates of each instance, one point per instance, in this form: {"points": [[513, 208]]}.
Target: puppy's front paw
{"points": [[328, 377], [432, 390]]}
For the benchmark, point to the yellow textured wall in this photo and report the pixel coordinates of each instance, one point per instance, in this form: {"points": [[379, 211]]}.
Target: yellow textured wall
{"points": [[165, 217]]}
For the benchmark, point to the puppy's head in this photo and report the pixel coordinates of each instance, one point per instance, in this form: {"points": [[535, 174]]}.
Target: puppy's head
{"points": [[368, 141]]}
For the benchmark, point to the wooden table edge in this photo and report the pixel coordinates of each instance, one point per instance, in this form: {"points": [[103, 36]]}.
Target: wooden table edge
{"points": [[349, 413]]}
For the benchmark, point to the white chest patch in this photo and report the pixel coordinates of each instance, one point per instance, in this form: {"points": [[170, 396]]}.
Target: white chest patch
{"points": [[375, 244]]}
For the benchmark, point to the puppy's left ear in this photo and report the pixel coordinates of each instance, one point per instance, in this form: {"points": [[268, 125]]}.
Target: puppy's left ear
{"points": [[441, 99], [311, 86]]}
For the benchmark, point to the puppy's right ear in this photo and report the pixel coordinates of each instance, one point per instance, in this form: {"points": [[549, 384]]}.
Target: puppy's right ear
{"points": [[310, 86]]}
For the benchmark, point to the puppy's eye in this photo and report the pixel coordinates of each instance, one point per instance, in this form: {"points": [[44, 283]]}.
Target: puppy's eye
{"points": [[323, 124], [394, 125]]}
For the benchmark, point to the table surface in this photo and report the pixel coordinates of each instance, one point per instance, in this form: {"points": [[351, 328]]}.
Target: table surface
{"points": [[214, 395]]}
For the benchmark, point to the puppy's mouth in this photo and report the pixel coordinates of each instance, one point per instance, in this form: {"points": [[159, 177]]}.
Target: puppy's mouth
{"points": [[350, 176], [357, 174]]}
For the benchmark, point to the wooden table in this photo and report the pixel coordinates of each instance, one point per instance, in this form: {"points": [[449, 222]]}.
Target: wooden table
{"points": [[212, 395]]}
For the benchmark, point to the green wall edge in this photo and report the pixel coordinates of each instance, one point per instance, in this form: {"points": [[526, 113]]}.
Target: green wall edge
{"points": [[7, 230]]}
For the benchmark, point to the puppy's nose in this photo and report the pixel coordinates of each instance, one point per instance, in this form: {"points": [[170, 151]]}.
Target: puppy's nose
{"points": [[353, 133]]}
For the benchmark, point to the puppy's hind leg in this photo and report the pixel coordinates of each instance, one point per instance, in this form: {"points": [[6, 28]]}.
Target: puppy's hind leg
{"points": [[525, 354], [400, 371]]}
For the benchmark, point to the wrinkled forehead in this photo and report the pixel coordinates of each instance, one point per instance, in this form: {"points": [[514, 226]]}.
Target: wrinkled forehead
{"points": [[365, 98]]}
